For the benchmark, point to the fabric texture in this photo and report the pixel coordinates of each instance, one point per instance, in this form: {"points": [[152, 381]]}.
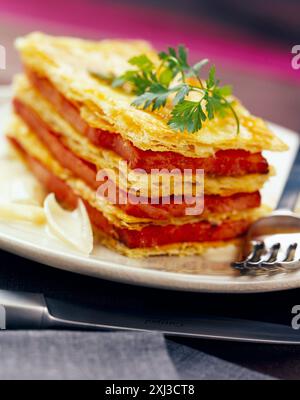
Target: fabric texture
{"points": [[119, 355], [84, 356], [45, 355]]}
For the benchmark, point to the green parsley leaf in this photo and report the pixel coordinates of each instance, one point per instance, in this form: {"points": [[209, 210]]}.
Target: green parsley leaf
{"points": [[187, 115], [224, 91], [142, 62], [154, 99], [183, 56], [211, 81], [166, 77], [182, 92], [153, 86], [198, 66]]}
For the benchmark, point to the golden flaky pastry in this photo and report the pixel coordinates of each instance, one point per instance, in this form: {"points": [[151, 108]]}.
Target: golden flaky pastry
{"points": [[70, 64]]}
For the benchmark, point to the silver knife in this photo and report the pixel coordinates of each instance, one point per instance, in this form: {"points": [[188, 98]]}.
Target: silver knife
{"points": [[36, 311]]}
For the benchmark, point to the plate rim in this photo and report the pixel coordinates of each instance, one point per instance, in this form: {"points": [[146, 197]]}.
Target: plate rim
{"points": [[166, 280]]}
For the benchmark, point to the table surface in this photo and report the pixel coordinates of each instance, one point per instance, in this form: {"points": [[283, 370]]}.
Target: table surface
{"points": [[190, 358], [275, 361]]}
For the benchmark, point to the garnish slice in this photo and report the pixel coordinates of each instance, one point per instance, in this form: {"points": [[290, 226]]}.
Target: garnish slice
{"points": [[174, 76], [73, 228]]}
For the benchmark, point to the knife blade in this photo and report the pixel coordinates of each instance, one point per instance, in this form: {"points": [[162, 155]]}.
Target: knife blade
{"points": [[36, 311]]}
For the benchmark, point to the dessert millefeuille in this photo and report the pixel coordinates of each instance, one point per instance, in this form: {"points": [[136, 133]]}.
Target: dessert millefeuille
{"points": [[71, 120]]}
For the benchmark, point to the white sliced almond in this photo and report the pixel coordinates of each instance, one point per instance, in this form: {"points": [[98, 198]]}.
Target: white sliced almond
{"points": [[73, 228]]}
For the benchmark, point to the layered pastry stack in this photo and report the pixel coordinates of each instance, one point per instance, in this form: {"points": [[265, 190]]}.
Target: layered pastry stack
{"points": [[69, 122]]}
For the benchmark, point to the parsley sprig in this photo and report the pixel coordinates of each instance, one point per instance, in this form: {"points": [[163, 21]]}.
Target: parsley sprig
{"points": [[154, 85]]}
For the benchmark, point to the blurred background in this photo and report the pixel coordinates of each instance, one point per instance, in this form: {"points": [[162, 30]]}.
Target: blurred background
{"points": [[250, 42]]}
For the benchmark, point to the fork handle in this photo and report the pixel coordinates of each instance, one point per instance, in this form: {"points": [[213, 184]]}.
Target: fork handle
{"points": [[290, 202]]}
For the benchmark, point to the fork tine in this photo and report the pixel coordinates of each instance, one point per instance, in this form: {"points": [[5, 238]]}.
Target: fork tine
{"points": [[284, 266], [262, 261], [273, 256], [290, 255], [290, 266], [267, 259], [257, 251], [254, 256]]}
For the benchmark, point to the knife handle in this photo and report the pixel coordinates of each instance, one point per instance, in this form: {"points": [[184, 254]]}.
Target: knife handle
{"points": [[21, 310]]}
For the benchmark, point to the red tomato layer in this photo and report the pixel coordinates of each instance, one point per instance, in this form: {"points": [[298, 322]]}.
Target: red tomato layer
{"points": [[212, 204], [148, 237], [224, 163], [152, 236], [87, 172]]}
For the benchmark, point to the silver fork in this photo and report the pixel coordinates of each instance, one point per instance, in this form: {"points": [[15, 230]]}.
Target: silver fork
{"points": [[272, 245]]}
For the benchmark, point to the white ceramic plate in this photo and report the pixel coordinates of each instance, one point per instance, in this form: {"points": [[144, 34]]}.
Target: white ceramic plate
{"points": [[201, 274]]}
